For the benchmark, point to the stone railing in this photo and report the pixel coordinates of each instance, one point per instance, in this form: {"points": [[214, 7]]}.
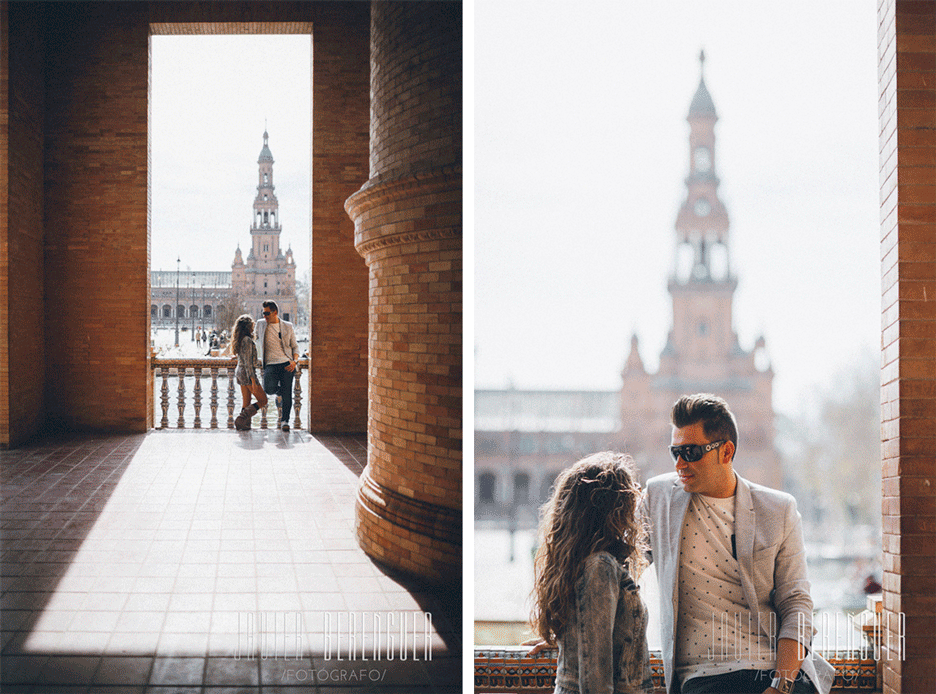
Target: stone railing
{"points": [[227, 395], [502, 670]]}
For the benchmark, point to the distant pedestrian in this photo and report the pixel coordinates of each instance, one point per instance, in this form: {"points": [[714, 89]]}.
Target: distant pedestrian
{"points": [[245, 348], [198, 337]]}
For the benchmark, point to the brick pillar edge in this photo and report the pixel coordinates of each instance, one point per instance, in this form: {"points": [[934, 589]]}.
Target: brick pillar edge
{"points": [[407, 220]]}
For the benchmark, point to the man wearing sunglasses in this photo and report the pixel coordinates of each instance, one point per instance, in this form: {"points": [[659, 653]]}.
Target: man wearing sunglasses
{"points": [[278, 352], [736, 615]]}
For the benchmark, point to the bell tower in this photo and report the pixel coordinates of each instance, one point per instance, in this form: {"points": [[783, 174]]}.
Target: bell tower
{"points": [[265, 229], [267, 273], [702, 352], [702, 284]]}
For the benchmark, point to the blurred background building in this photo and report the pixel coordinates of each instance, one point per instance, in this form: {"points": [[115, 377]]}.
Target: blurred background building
{"points": [[211, 298], [524, 438]]}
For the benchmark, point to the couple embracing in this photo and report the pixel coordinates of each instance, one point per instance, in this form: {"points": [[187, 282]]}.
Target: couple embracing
{"points": [[276, 351], [736, 615]]}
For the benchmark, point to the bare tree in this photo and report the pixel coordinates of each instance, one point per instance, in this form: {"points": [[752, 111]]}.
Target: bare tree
{"points": [[833, 454], [228, 311]]}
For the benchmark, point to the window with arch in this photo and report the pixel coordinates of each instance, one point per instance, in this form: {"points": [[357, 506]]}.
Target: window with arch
{"points": [[154, 311], [521, 488], [486, 482], [193, 311], [206, 311], [167, 311], [180, 311]]}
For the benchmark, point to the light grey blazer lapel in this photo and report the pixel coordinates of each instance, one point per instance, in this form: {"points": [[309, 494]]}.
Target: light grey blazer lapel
{"points": [[679, 503], [744, 524]]}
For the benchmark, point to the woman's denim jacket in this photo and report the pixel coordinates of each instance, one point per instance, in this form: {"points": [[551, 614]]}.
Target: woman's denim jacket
{"points": [[603, 648]]}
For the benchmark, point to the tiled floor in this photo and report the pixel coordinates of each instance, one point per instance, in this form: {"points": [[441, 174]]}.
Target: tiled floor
{"points": [[206, 561]]}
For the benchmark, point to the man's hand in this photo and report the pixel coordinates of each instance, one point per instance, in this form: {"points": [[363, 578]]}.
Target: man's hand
{"points": [[291, 366]]}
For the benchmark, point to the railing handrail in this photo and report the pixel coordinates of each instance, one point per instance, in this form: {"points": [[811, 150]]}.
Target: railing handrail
{"points": [[191, 362], [210, 367]]}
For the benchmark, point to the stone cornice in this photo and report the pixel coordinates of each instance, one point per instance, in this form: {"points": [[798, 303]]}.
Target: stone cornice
{"points": [[385, 190]]}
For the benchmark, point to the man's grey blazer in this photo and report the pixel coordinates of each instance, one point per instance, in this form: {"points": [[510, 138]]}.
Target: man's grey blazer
{"points": [[287, 335], [771, 562]]}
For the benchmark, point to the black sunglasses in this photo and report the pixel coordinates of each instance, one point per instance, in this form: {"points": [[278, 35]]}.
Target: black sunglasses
{"points": [[692, 452], [266, 313]]}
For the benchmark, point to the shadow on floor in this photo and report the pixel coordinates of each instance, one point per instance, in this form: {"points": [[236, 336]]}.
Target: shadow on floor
{"points": [[173, 562]]}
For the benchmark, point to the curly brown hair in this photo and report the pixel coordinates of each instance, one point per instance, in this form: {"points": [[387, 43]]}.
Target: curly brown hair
{"points": [[243, 326], [593, 508]]}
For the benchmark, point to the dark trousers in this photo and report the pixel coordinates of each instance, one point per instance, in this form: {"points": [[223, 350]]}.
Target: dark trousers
{"points": [[742, 682], [278, 381]]}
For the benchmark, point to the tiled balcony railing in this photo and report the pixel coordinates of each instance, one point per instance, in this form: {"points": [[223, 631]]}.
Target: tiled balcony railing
{"points": [[502, 670], [208, 383]]}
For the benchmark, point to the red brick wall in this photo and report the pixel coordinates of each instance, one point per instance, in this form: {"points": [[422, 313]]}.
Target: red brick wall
{"points": [[96, 216], [408, 228], [22, 330], [340, 83], [907, 77], [79, 206]]}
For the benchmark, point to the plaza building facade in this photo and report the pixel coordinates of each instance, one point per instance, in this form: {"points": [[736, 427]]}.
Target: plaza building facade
{"points": [[524, 438], [267, 274]]}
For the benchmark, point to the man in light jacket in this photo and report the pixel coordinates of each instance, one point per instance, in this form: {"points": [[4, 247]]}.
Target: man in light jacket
{"points": [[278, 353], [736, 615]]}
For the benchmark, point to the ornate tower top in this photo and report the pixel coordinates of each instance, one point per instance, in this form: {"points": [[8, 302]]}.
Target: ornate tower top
{"points": [[702, 105], [702, 222], [265, 153], [702, 284], [266, 206]]}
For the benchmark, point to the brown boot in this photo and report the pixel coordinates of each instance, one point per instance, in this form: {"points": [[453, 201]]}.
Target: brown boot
{"points": [[242, 421]]}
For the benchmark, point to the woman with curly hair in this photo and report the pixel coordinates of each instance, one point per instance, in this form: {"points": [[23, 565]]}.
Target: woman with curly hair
{"points": [[243, 345], [585, 595]]}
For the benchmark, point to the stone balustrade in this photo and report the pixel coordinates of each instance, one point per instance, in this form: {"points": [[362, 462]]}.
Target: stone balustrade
{"points": [[189, 390], [503, 670]]}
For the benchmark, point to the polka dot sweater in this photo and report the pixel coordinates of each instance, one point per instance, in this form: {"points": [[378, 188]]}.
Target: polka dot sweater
{"points": [[716, 631]]}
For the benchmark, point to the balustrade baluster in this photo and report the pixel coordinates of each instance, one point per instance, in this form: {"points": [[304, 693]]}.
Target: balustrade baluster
{"points": [[164, 422], [263, 412], [214, 398], [181, 371], [297, 396], [230, 402], [197, 423]]}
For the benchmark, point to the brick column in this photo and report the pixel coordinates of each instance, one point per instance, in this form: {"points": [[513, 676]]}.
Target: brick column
{"points": [[407, 220], [907, 78], [97, 309], [22, 236]]}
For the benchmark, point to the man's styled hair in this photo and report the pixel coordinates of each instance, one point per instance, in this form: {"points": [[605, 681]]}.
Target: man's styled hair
{"points": [[718, 422], [271, 305]]}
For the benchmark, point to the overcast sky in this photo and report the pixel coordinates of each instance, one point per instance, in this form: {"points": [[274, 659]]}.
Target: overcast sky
{"points": [[210, 99], [581, 151]]}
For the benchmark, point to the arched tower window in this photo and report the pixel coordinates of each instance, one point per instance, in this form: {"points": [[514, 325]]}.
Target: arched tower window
{"points": [[486, 487], [521, 488]]}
